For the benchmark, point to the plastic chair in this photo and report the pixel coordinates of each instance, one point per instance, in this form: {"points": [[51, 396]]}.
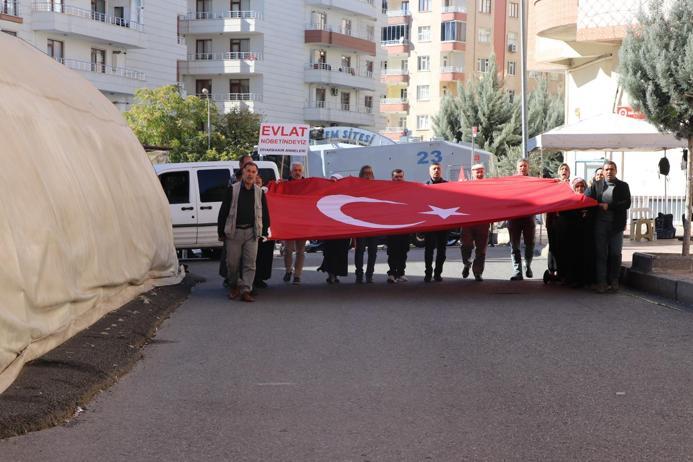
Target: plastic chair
{"points": [[638, 218]]}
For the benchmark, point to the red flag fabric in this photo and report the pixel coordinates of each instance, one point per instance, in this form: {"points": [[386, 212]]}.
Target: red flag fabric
{"points": [[317, 208]]}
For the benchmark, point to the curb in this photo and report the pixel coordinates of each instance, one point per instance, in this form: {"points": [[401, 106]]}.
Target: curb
{"points": [[659, 284], [55, 387]]}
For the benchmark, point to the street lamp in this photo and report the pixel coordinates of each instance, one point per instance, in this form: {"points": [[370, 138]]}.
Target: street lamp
{"points": [[209, 119]]}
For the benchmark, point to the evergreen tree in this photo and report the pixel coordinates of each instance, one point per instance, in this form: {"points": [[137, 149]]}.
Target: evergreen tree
{"points": [[544, 111], [657, 72], [446, 124]]}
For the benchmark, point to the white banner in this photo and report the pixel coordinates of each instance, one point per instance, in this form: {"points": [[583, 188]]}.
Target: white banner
{"points": [[283, 140]]}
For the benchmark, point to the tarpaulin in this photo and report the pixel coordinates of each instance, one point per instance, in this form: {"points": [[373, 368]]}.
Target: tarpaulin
{"points": [[316, 208], [84, 223]]}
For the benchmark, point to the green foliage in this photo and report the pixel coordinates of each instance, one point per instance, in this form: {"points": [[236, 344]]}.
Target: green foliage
{"points": [[447, 123], [657, 67], [544, 111], [162, 117], [545, 166]]}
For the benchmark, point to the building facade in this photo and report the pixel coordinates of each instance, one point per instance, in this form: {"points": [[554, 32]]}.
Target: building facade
{"points": [[583, 38], [434, 45], [118, 45], [312, 61]]}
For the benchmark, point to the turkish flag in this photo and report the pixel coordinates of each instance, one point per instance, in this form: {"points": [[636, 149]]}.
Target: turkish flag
{"points": [[316, 208]]}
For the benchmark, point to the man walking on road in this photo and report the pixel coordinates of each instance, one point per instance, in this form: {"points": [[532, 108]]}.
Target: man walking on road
{"points": [[475, 238], [522, 228], [397, 246], [299, 245], [435, 240], [362, 243], [613, 196], [240, 225]]}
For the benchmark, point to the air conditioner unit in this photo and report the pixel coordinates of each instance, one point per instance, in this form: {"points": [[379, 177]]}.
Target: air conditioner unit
{"points": [[512, 48], [334, 91]]}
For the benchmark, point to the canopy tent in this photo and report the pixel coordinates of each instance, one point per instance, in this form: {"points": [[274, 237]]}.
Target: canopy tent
{"points": [[84, 224], [606, 132]]}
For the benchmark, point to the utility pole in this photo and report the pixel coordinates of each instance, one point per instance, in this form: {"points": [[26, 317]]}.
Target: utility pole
{"points": [[523, 75], [209, 119]]}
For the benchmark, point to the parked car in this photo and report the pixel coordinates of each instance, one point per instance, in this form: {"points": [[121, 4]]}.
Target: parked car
{"points": [[195, 191]]}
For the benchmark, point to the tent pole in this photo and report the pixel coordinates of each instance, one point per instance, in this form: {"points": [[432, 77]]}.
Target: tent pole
{"points": [[523, 76]]}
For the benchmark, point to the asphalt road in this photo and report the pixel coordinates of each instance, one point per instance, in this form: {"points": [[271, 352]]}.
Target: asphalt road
{"points": [[453, 371]]}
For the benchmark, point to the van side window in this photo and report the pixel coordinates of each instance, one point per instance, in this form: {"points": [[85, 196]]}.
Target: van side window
{"points": [[213, 184], [267, 175], [176, 186]]}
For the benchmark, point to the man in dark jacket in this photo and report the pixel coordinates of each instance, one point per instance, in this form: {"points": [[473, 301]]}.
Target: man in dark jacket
{"points": [[236, 177], [435, 240], [522, 229], [363, 243], [613, 196]]}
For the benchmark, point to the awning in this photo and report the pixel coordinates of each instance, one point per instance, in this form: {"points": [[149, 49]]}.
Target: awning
{"points": [[606, 132]]}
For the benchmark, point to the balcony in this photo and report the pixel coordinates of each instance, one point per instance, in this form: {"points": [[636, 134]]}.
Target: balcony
{"points": [[204, 23], [108, 78], [335, 75], [454, 13], [394, 133], [394, 105], [360, 7], [10, 11], [453, 45], [344, 38], [339, 113], [451, 73], [245, 62], [556, 19], [226, 102], [606, 21], [394, 76], [395, 17], [396, 47], [87, 24]]}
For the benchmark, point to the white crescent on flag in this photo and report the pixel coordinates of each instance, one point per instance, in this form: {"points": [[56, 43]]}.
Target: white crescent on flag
{"points": [[331, 206]]}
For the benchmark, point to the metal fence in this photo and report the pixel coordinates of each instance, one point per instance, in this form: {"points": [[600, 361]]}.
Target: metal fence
{"points": [[675, 205]]}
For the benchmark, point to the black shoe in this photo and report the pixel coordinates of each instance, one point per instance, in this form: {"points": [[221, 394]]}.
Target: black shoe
{"points": [[517, 277], [287, 276], [465, 272], [529, 273], [427, 278], [260, 284], [478, 278], [369, 279], [226, 284], [437, 278], [547, 276], [359, 279]]}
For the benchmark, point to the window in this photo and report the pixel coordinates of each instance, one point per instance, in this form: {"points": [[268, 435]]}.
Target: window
{"points": [[346, 65], [404, 65], [119, 14], [320, 97], [511, 96], [346, 101], [403, 94], [423, 92], [370, 33], [511, 68], [236, 5], [99, 7], [369, 68], [424, 5], [422, 122], [239, 87], [176, 186], [213, 184], [403, 123], [56, 49], [424, 63], [203, 49], [239, 45], [397, 33], [405, 5], [453, 31], [482, 65], [513, 10], [9, 32], [346, 26], [98, 60], [368, 103], [512, 42], [484, 6], [424, 34], [203, 7], [318, 20], [202, 84], [484, 35]]}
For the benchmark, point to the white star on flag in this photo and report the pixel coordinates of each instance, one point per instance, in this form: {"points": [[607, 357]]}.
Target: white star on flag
{"points": [[443, 213]]}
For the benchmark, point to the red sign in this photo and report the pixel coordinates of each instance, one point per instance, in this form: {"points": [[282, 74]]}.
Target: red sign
{"points": [[627, 111], [316, 208], [474, 131]]}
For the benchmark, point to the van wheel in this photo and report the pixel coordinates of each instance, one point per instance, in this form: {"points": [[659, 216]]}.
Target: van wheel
{"points": [[418, 240], [213, 253]]}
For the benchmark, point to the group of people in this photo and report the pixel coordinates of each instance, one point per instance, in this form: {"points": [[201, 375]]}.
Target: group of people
{"points": [[584, 245]]}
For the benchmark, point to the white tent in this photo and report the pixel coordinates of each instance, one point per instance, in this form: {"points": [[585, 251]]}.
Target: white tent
{"points": [[606, 132], [84, 223]]}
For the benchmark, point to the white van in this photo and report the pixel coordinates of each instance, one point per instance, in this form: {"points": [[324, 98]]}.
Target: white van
{"points": [[195, 191]]}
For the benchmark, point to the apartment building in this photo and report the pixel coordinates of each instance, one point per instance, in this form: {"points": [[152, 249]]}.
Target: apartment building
{"points": [[118, 45], [294, 61], [432, 45]]}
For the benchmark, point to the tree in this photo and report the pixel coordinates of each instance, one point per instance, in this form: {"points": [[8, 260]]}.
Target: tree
{"points": [[162, 117], [544, 111], [447, 123], [657, 72]]}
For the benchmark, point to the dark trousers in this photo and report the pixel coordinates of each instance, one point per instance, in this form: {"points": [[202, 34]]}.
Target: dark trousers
{"points": [[521, 229], [363, 243], [397, 249], [607, 251], [437, 240], [475, 238]]}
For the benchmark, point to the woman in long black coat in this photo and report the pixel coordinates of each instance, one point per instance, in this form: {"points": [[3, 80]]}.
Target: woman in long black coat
{"points": [[579, 236], [265, 249], [335, 260]]}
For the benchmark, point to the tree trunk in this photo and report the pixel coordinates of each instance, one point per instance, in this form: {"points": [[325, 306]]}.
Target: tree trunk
{"points": [[689, 200]]}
